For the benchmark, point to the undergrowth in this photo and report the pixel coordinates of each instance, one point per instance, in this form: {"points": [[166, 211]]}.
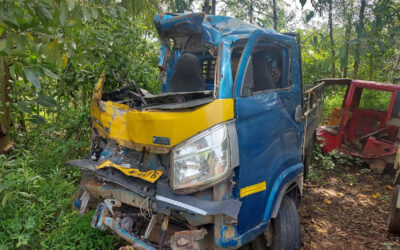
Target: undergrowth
{"points": [[332, 161], [36, 190]]}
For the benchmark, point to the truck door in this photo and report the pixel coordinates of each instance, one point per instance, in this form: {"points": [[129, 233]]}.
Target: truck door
{"points": [[267, 92]]}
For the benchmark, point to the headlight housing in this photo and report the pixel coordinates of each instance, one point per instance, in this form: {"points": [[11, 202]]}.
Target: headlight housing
{"points": [[203, 159]]}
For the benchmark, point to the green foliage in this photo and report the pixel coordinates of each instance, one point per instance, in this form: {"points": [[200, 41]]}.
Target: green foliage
{"points": [[375, 100], [57, 49], [36, 191], [333, 161], [334, 97], [259, 12]]}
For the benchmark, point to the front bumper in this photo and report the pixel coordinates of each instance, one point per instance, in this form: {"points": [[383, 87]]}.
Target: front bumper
{"points": [[122, 201]]}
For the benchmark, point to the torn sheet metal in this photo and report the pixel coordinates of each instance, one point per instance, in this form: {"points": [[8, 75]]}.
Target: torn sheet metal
{"points": [[115, 176], [211, 28], [100, 190], [165, 199]]}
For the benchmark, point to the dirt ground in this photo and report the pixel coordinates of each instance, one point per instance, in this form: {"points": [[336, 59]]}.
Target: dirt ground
{"points": [[347, 209]]}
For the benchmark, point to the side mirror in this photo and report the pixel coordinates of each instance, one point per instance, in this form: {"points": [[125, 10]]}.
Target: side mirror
{"points": [[298, 115]]}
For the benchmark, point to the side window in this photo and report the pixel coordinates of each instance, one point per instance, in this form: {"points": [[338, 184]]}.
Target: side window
{"points": [[267, 68], [377, 100]]}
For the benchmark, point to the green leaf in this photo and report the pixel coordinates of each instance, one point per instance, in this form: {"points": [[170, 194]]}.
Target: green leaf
{"points": [[342, 52], [37, 119], [46, 101], [46, 13], [382, 45], [63, 13], [71, 4], [5, 198], [24, 107], [50, 74], [3, 44], [303, 2], [32, 78], [12, 71], [95, 13], [23, 240], [86, 13]]}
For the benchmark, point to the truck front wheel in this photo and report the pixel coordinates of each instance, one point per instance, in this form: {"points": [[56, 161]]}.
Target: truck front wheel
{"points": [[285, 232]]}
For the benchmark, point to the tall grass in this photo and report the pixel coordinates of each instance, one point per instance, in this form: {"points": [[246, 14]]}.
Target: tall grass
{"points": [[36, 190]]}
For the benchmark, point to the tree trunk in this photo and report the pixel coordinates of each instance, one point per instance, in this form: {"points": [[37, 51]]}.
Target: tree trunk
{"points": [[5, 111], [361, 25], [275, 16], [172, 6], [206, 7], [22, 123], [346, 45], [214, 3], [251, 11], [395, 68], [333, 53]]}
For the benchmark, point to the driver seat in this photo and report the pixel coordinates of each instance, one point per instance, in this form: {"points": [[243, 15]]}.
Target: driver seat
{"points": [[188, 76]]}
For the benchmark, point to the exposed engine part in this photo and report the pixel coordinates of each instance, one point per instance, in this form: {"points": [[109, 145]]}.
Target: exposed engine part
{"points": [[164, 227], [128, 247], [111, 191], [103, 221], [189, 239], [150, 226], [127, 223]]}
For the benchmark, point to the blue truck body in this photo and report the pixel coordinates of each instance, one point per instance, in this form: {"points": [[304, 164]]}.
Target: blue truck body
{"points": [[269, 135]]}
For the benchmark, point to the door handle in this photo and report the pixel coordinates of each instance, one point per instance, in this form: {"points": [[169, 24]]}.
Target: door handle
{"points": [[298, 115]]}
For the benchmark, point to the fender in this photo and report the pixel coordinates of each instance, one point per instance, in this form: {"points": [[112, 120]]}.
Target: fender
{"points": [[293, 174]]}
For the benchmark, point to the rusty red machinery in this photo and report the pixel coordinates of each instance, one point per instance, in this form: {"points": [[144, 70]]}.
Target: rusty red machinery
{"points": [[393, 221], [358, 130]]}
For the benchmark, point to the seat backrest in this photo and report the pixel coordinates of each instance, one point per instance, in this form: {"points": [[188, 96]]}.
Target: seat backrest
{"points": [[262, 74], [187, 76]]}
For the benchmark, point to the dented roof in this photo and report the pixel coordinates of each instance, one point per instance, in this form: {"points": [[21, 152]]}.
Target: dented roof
{"points": [[213, 29]]}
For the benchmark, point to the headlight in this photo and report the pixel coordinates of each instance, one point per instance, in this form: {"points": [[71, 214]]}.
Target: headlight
{"points": [[202, 160]]}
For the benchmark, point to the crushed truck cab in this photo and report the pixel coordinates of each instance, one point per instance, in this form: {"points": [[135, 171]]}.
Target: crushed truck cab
{"points": [[216, 159]]}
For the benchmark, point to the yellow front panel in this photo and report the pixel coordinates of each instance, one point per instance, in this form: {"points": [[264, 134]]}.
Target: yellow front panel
{"points": [[130, 126]]}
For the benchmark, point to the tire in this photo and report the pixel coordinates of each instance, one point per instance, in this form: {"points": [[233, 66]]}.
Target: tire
{"points": [[394, 212], [285, 231]]}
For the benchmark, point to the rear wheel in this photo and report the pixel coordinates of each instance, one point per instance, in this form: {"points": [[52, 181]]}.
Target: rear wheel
{"points": [[284, 233], [394, 213]]}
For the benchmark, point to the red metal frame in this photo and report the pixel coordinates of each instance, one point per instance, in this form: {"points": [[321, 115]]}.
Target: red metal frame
{"points": [[362, 122]]}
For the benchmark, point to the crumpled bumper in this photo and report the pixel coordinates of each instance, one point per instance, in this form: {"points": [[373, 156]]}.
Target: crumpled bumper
{"points": [[121, 200]]}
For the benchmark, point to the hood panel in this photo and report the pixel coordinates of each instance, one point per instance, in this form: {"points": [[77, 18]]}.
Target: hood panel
{"points": [[137, 129]]}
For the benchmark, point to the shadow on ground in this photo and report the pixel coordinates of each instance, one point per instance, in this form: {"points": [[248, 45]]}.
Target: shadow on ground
{"points": [[347, 209]]}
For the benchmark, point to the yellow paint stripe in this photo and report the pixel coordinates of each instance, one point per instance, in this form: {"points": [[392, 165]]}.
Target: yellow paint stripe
{"points": [[149, 176], [259, 187]]}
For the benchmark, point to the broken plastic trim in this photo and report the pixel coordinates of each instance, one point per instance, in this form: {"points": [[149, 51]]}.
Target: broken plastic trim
{"points": [[165, 199]]}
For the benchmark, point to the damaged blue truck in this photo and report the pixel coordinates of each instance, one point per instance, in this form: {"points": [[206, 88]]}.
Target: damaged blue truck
{"points": [[217, 160]]}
